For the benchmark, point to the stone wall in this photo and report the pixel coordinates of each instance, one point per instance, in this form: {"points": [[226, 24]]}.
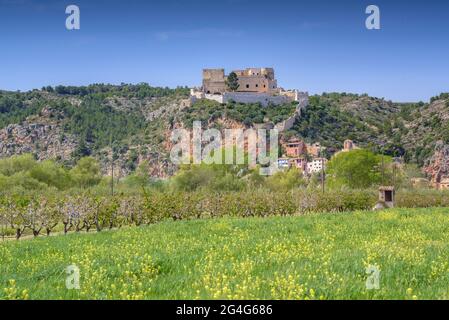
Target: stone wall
{"points": [[215, 97], [258, 84], [262, 98], [214, 81], [287, 124]]}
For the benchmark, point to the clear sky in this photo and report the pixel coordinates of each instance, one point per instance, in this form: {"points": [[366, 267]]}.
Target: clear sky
{"points": [[316, 46]]}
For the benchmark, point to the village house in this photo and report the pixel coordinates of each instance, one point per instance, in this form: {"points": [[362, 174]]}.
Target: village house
{"points": [[349, 145], [295, 147], [316, 165], [296, 154], [299, 163], [314, 149], [284, 163]]}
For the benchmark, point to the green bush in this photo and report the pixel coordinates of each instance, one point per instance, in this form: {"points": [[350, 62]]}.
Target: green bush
{"points": [[19, 174]]}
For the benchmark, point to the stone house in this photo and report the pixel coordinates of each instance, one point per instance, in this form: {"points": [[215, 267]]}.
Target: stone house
{"points": [[314, 149], [295, 148]]}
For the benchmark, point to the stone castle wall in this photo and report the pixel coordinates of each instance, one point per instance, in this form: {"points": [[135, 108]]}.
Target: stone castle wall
{"points": [[263, 98], [257, 80], [214, 81]]}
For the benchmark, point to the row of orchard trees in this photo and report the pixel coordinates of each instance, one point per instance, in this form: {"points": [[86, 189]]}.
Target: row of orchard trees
{"points": [[44, 215], [38, 215]]}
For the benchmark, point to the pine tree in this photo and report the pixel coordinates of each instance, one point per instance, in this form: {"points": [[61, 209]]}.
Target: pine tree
{"points": [[232, 82]]}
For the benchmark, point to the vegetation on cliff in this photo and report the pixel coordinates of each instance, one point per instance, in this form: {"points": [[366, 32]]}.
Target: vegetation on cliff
{"points": [[135, 120]]}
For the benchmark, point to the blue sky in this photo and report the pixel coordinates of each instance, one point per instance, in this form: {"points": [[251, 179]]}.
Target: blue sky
{"points": [[315, 46]]}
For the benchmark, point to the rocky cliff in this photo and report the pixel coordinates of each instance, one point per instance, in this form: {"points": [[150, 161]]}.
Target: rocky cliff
{"points": [[40, 135], [77, 121], [437, 167]]}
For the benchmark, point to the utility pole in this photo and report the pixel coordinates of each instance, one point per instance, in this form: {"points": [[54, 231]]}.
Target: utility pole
{"points": [[383, 166], [394, 173], [112, 175], [112, 156], [322, 169]]}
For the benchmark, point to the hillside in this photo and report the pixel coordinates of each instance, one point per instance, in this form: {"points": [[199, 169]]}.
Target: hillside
{"points": [[66, 123], [325, 256]]}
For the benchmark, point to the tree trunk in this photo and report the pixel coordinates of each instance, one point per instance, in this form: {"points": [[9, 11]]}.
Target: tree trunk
{"points": [[97, 225]]}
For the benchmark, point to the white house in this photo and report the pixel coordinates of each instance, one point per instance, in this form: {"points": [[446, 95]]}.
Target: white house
{"points": [[316, 165]]}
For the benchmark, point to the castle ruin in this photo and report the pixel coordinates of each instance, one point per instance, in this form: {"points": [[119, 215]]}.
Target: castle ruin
{"points": [[256, 85], [255, 80]]}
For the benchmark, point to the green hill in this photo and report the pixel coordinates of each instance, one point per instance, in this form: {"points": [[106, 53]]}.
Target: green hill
{"points": [[68, 122]]}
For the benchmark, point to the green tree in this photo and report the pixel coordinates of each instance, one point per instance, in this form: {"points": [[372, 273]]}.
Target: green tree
{"points": [[141, 177], [86, 173], [286, 180], [212, 177], [52, 174], [232, 82], [16, 164], [82, 150], [356, 169]]}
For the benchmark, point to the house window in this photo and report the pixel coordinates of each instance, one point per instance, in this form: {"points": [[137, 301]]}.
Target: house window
{"points": [[257, 86], [247, 86]]}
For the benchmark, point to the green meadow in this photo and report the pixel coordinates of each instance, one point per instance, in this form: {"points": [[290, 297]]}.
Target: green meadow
{"points": [[320, 256]]}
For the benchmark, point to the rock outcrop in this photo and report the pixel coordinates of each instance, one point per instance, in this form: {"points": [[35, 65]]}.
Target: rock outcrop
{"points": [[437, 167], [41, 136]]}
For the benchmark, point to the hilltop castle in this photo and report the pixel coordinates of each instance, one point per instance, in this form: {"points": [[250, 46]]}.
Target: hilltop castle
{"points": [[256, 85], [255, 80]]}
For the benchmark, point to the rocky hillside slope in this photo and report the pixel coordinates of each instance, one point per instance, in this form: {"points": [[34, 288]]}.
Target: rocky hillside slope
{"points": [[132, 123]]}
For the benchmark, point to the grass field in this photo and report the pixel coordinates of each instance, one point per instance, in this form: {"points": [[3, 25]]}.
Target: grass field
{"points": [[310, 257]]}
